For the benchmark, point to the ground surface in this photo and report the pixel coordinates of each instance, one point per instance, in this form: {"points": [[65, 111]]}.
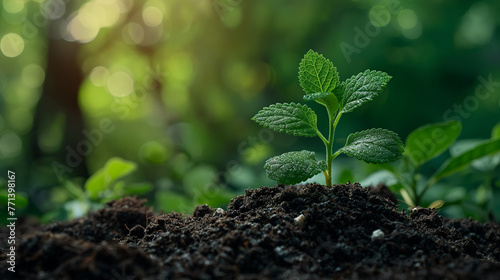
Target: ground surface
{"points": [[262, 236]]}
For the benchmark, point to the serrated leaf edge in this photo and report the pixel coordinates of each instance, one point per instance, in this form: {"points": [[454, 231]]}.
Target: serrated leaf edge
{"points": [[310, 170], [326, 61], [302, 107], [399, 142], [357, 79]]}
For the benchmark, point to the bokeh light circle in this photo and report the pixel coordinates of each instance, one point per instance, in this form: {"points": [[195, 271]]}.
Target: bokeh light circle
{"points": [[379, 16], [120, 84], [10, 145], [12, 45], [133, 33], [33, 75], [13, 6], [407, 19], [152, 16], [99, 76]]}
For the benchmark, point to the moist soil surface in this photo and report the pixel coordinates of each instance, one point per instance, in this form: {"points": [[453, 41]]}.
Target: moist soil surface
{"points": [[284, 232]]}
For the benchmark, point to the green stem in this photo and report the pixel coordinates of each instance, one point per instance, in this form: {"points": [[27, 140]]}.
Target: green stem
{"points": [[329, 146], [418, 197], [320, 135]]}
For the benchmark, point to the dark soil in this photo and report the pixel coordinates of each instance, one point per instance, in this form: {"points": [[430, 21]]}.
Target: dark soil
{"points": [[262, 235]]}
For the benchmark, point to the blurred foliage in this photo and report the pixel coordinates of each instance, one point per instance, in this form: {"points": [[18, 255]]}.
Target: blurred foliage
{"points": [[104, 185], [480, 157], [171, 85]]}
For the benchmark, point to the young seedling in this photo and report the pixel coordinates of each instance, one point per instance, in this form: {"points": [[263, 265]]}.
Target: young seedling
{"points": [[104, 185], [320, 81]]}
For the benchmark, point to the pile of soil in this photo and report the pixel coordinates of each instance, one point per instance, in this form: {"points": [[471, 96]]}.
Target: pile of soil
{"points": [[284, 232]]}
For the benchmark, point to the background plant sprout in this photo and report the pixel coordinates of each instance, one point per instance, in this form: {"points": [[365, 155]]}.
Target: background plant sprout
{"points": [[107, 183], [320, 81], [429, 141]]}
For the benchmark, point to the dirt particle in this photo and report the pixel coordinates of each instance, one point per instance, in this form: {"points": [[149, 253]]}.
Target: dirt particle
{"points": [[202, 210], [377, 235]]}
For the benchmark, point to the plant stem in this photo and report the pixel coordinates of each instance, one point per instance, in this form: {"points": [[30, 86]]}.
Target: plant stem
{"points": [[329, 147], [419, 196]]}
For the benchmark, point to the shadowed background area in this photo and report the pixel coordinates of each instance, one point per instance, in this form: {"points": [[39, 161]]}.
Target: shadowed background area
{"points": [[166, 89]]}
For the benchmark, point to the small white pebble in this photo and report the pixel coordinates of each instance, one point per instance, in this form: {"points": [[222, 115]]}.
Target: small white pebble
{"points": [[377, 235], [300, 220], [219, 211]]}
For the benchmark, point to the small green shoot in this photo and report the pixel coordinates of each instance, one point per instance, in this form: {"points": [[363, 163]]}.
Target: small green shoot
{"points": [[320, 81], [105, 184]]}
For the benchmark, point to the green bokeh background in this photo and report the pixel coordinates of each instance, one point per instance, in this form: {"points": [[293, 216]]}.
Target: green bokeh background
{"points": [[171, 85]]}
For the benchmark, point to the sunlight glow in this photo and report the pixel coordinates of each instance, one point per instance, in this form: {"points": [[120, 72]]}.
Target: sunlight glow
{"points": [[13, 6], [33, 75], [152, 16], [11, 45], [99, 76], [133, 33], [86, 23], [80, 32], [407, 19], [120, 84], [91, 15]]}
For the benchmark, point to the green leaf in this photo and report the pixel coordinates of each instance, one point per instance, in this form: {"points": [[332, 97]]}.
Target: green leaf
{"points": [[316, 96], [317, 74], [381, 176], [73, 189], [374, 145], [171, 201], [217, 199], [21, 200], [436, 204], [361, 88], [326, 99], [196, 180], [293, 167], [484, 164], [101, 181], [318, 78], [96, 184], [290, 118], [429, 141], [457, 163], [137, 189], [116, 168], [495, 132]]}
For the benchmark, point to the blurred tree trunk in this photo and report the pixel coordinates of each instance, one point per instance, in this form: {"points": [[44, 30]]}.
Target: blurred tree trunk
{"points": [[60, 96]]}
